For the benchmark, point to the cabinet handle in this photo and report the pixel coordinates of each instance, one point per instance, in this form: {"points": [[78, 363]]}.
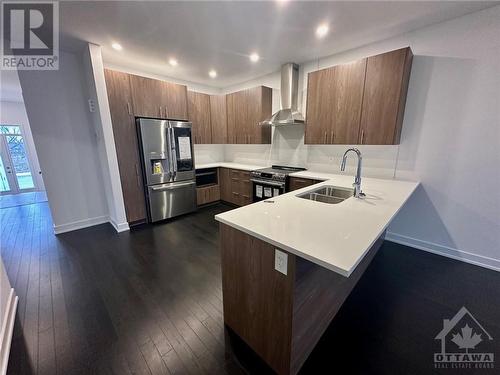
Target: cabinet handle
{"points": [[137, 175], [160, 111], [332, 136], [362, 135], [166, 111], [326, 138], [129, 110]]}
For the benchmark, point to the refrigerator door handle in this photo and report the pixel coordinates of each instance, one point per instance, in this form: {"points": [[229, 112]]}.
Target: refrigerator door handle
{"points": [[174, 157], [171, 187]]}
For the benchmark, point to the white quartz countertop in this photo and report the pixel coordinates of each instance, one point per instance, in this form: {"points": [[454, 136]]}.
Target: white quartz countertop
{"points": [[223, 164], [335, 236]]}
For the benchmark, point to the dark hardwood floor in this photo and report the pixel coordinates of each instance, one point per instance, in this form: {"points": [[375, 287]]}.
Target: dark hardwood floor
{"points": [[149, 301]]}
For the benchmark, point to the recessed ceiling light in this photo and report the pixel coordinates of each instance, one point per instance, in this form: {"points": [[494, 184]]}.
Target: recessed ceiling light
{"points": [[254, 57], [117, 46], [322, 30], [212, 73], [173, 62]]}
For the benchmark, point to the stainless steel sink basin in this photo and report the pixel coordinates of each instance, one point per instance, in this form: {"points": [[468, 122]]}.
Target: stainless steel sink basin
{"points": [[328, 194]]}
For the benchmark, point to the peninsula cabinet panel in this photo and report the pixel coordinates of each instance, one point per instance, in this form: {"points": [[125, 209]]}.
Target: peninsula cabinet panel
{"points": [[127, 150], [218, 119], [334, 99], [281, 317], [147, 95], [386, 85], [199, 115]]}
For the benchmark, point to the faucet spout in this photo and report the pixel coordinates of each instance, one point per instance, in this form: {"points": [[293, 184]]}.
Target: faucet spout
{"points": [[357, 180]]}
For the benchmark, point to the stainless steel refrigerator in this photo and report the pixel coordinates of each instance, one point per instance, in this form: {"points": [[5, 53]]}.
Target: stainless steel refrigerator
{"points": [[168, 167]]}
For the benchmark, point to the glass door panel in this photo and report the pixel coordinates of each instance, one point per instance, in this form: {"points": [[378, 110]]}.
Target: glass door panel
{"points": [[20, 163]]}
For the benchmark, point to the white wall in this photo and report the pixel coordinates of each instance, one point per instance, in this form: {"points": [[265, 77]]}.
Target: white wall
{"points": [[450, 140], [8, 305], [14, 113], [65, 139], [97, 92]]}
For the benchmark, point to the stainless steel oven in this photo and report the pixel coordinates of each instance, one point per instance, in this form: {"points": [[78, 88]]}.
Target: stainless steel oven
{"points": [[271, 182]]}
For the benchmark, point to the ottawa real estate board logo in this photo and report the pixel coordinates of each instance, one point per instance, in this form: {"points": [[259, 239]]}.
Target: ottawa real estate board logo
{"points": [[30, 35], [465, 343]]}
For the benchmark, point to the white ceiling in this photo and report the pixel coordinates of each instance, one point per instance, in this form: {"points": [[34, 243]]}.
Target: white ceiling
{"points": [[221, 34]]}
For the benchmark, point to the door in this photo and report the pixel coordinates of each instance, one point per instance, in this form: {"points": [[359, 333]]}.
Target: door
{"points": [[174, 101], [181, 150], [15, 169], [318, 110], [386, 83], [218, 119], [199, 116], [172, 199], [147, 97], [127, 147]]}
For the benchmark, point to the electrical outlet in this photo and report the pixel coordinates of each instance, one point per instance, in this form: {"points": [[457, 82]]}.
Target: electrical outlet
{"points": [[280, 261], [91, 105]]}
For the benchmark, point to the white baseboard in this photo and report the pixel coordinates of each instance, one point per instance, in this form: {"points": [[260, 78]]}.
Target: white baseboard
{"points": [[7, 330], [464, 256], [119, 227], [68, 227]]}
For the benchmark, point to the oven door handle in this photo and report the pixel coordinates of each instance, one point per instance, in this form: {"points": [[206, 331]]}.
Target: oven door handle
{"points": [[272, 183]]}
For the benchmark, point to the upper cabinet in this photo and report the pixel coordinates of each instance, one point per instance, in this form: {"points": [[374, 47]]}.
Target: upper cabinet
{"points": [[199, 115], [218, 118], [386, 85], [245, 110], [334, 99], [359, 103], [160, 99]]}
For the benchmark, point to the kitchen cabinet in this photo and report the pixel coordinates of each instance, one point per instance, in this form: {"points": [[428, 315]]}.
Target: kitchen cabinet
{"points": [[245, 110], [218, 119], [386, 85], [127, 150], [236, 187], [361, 102], [334, 99], [207, 194], [299, 183], [159, 99], [199, 115]]}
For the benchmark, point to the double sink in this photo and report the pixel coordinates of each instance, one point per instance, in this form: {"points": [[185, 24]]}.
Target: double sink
{"points": [[328, 194]]}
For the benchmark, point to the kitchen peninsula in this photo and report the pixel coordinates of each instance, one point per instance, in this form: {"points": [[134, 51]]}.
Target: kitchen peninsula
{"points": [[289, 263]]}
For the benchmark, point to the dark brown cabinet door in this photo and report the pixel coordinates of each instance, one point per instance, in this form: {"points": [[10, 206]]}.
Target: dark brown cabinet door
{"points": [[225, 184], [199, 115], [298, 183], [127, 150], [147, 96], [318, 109], [259, 107], [174, 100], [245, 110], [218, 119], [334, 99], [386, 85]]}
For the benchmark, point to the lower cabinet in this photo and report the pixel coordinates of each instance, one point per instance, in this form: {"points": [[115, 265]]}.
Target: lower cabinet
{"points": [[299, 183], [207, 194], [236, 187]]}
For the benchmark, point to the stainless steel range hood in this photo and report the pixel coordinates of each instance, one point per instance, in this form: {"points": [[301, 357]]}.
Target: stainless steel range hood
{"points": [[288, 114]]}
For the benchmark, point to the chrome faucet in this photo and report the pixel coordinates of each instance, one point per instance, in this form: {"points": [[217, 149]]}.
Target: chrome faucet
{"points": [[357, 180]]}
